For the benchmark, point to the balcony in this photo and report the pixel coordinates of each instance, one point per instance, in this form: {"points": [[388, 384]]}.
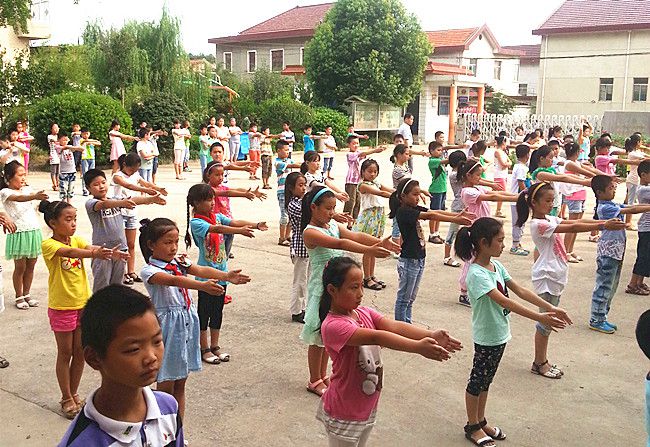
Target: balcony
{"points": [[36, 30]]}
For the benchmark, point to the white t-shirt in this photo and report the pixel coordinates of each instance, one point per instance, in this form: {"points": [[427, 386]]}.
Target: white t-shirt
{"points": [[519, 172], [327, 151], [500, 170], [313, 180], [405, 131], [289, 137], [120, 192], [179, 138], [633, 175], [22, 213], [550, 272]]}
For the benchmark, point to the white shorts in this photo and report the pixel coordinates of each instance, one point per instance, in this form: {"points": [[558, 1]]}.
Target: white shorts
{"points": [[179, 156]]}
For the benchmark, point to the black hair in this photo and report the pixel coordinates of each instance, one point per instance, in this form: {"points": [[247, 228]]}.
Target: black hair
{"points": [[571, 149], [106, 310], [8, 172], [585, 126], [479, 147], [308, 157], [366, 164], [644, 167], [476, 132], [599, 183], [465, 167], [130, 160], [397, 150], [288, 123], [84, 130], [196, 193], [553, 130], [151, 231], [215, 144], [437, 134], [327, 126], [519, 127], [521, 151], [500, 139], [334, 273], [209, 167], [176, 121], [632, 142], [52, 210], [405, 186], [289, 185], [408, 115], [307, 126], [553, 143], [397, 135], [434, 145], [525, 200], [606, 135], [62, 133], [281, 144], [542, 151], [113, 124], [202, 126], [307, 202], [456, 158], [569, 136], [642, 332], [351, 138], [91, 175], [468, 239], [602, 143], [142, 132]]}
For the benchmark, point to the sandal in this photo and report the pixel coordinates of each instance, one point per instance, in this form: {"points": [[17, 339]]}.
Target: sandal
{"points": [[222, 357], [485, 441], [312, 387], [134, 276], [498, 435], [326, 380], [21, 303], [3, 362], [572, 259], [211, 359], [450, 262], [30, 301], [69, 411], [381, 283], [644, 286], [284, 242], [80, 402], [594, 238], [373, 286], [128, 281], [552, 373], [499, 214], [636, 290]]}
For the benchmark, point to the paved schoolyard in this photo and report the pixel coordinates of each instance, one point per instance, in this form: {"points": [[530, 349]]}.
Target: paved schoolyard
{"points": [[259, 398]]}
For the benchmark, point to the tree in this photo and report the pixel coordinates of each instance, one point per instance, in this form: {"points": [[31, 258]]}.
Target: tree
{"points": [[15, 13], [499, 104], [370, 48]]}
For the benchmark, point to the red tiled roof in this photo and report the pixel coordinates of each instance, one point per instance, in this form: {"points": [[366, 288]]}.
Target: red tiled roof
{"points": [[293, 70], [528, 52], [583, 16], [452, 39], [300, 21], [440, 68]]}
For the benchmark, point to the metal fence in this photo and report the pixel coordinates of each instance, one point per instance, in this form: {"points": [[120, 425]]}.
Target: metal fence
{"points": [[491, 124]]}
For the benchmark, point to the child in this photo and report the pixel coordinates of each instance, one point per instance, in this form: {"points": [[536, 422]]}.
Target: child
{"points": [[478, 151], [52, 139], [146, 152], [610, 252], [437, 189], [115, 318], [235, 140], [585, 143], [223, 135], [254, 154], [455, 159], [128, 179], [308, 138], [23, 245], [519, 134], [643, 339], [401, 170], [87, 156], [353, 336], [107, 222], [117, 145], [283, 165], [207, 230], [407, 134], [329, 149], [487, 283], [267, 156], [474, 136], [68, 292], [204, 146], [634, 152], [25, 138], [288, 136], [155, 136], [550, 270], [642, 265], [604, 161], [372, 219], [180, 135], [218, 155], [16, 148], [186, 154], [294, 190], [68, 170], [353, 178], [352, 133], [166, 281], [517, 185], [410, 265], [75, 136], [326, 240], [501, 165], [310, 168]]}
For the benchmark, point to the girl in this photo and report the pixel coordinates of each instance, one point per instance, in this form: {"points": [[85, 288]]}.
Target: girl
{"points": [[166, 281], [372, 217], [488, 283], [235, 139], [207, 230], [401, 170], [501, 165], [254, 151], [266, 154], [25, 138], [223, 135], [310, 168], [555, 133], [23, 245], [633, 149], [438, 187], [353, 336], [68, 291], [145, 148], [180, 135], [325, 240], [55, 162], [475, 198], [294, 190], [128, 179], [410, 265], [455, 159], [186, 154], [117, 145], [585, 143], [550, 270]]}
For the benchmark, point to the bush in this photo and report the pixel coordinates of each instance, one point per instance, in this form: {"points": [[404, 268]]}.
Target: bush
{"points": [[159, 110], [12, 116], [90, 110], [339, 121], [274, 112]]}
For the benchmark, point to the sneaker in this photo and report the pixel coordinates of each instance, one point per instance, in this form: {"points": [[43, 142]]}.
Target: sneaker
{"points": [[519, 251], [227, 299], [436, 239], [85, 193], [463, 300], [298, 318], [612, 325], [602, 327]]}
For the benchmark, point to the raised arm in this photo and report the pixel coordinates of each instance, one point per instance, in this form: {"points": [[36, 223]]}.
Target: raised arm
{"points": [[427, 347], [364, 188], [563, 178], [39, 195]]}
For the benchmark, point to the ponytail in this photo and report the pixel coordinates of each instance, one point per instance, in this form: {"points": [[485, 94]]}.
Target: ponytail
{"points": [[404, 187], [542, 151], [308, 201], [8, 172], [289, 186], [525, 200], [468, 239], [334, 274], [309, 157]]}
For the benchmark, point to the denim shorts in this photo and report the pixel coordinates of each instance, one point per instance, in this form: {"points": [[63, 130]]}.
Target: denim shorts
{"points": [[284, 217], [395, 234], [575, 206], [438, 201], [554, 300], [130, 222]]}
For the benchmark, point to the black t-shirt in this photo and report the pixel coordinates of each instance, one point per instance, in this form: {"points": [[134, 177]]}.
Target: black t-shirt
{"points": [[408, 221]]}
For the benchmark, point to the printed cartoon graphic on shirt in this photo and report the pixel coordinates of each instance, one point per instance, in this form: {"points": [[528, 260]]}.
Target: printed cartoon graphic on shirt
{"points": [[70, 263], [503, 289], [370, 362], [558, 242], [420, 233]]}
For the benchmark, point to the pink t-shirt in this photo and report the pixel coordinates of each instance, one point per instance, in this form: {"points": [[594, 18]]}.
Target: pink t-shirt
{"points": [[357, 371], [604, 164], [470, 197], [222, 203], [354, 176], [580, 192]]}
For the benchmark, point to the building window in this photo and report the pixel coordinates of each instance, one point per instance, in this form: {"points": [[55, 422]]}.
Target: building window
{"points": [[640, 89], [606, 89], [443, 100], [523, 89], [252, 61], [472, 66], [227, 61], [277, 60], [302, 55], [497, 70]]}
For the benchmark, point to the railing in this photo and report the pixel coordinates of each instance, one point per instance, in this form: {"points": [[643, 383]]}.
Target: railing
{"points": [[491, 124]]}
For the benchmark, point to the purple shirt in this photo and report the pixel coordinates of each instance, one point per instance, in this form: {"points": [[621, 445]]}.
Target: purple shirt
{"points": [[354, 175]]}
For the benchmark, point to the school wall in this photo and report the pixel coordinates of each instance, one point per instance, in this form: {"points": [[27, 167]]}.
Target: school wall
{"points": [[571, 86], [291, 49]]}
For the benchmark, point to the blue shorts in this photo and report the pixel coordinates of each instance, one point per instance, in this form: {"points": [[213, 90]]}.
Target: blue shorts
{"points": [[575, 206], [438, 201], [130, 222]]}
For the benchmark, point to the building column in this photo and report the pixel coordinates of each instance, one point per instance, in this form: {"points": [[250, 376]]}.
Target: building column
{"points": [[453, 99], [480, 107]]}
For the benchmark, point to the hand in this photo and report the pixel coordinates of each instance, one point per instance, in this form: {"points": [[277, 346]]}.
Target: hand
{"points": [[102, 253], [157, 199], [381, 149], [250, 195], [212, 287], [561, 314], [464, 218], [119, 254], [162, 191], [497, 187], [344, 218], [342, 197], [388, 244], [549, 319], [262, 226], [246, 231], [8, 225], [237, 277], [585, 182], [150, 191], [40, 195], [614, 224], [127, 203], [442, 337], [259, 194], [429, 348], [378, 250]]}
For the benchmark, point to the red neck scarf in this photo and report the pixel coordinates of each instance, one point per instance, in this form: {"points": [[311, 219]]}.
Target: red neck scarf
{"points": [[173, 268], [213, 239]]}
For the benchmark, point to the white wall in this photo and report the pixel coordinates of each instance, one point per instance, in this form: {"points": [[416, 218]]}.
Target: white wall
{"points": [[483, 51], [529, 74], [11, 43]]}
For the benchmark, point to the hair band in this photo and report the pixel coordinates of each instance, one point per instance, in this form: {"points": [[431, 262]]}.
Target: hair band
{"points": [[537, 188], [320, 193], [411, 179], [473, 167]]}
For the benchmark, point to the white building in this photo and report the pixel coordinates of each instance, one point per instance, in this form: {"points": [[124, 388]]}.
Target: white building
{"points": [[12, 42]]}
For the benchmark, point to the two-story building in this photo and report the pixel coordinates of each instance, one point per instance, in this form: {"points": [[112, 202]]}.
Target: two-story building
{"points": [[596, 61], [13, 42]]}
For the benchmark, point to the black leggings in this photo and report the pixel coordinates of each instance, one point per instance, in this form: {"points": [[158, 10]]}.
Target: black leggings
{"points": [[485, 365], [211, 310]]}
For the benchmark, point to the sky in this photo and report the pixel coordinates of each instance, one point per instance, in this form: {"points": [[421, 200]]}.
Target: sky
{"points": [[511, 21]]}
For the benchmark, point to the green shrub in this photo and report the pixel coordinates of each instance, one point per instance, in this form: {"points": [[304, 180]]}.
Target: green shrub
{"points": [[12, 116], [274, 112], [159, 110], [324, 116], [90, 110]]}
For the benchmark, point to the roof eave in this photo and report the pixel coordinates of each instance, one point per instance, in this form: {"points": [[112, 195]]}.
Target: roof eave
{"points": [[274, 35], [591, 29]]}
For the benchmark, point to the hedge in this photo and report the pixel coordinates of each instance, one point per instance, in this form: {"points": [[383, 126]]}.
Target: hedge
{"points": [[159, 110], [339, 121]]}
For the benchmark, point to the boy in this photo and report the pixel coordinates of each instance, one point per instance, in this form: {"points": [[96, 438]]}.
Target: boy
{"points": [[446, 148], [254, 152], [122, 339], [308, 139], [473, 138], [155, 135], [437, 189], [283, 165], [643, 339], [186, 154], [405, 131], [517, 185], [641, 268], [16, 148], [234, 142], [75, 136], [106, 219], [204, 146], [610, 251], [87, 156], [353, 178], [67, 166], [352, 133], [288, 135], [266, 153], [328, 152]]}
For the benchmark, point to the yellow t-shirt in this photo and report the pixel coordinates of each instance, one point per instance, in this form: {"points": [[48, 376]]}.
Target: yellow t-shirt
{"points": [[68, 287]]}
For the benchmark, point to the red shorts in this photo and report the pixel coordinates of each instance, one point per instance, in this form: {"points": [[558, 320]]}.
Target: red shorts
{"points": [[64, 320], [501, 181]]}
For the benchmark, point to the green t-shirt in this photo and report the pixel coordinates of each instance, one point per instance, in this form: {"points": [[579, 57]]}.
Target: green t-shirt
{"points": [[439, 183], [550, 169], [483, 164], [490, 321]]}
